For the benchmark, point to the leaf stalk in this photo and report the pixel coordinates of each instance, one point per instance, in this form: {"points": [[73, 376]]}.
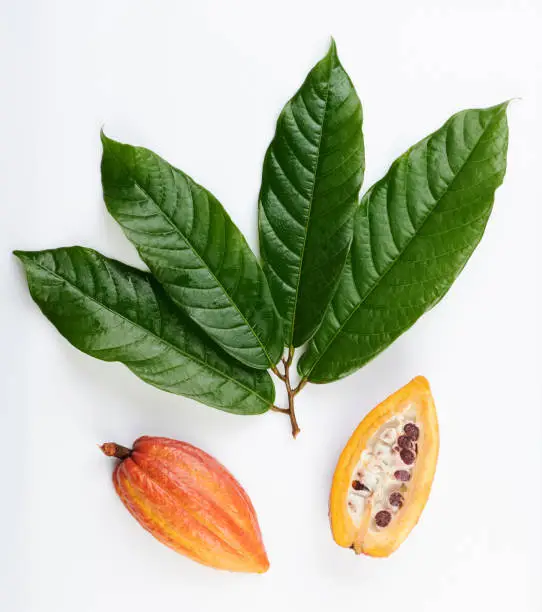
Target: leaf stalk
{"points": [[291, 391]]}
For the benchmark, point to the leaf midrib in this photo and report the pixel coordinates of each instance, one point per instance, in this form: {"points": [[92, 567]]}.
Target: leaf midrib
{"points": [[177, 229], [415, 234], [159, 338], [311, 201]]}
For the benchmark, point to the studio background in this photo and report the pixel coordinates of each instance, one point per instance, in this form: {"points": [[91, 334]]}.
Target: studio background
{"points": [[202, 83]]}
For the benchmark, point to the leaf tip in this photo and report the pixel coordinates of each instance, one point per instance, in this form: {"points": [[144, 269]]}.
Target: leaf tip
{"points": [[332, 52], [500, 110], [104, 139], [503, 106], [507, 103]]}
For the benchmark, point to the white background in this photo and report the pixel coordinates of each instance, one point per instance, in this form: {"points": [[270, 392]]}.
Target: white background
{"points": [[202, 83]]}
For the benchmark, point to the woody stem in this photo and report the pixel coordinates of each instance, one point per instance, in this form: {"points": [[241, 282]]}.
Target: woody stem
{"points": [[115, 450], [291, 391]]}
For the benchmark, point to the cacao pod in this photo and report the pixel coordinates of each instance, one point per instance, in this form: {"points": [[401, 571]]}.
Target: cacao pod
{"points": [[385, 472], [190, 502]]}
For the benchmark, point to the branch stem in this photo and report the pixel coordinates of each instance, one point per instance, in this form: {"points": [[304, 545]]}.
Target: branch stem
{"points": [[300, 386], [277, 409], [278, 374], [292, 391]]}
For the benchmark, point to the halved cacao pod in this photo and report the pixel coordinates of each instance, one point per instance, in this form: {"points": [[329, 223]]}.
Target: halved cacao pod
{"points": [[384, 474], [190, 502]]}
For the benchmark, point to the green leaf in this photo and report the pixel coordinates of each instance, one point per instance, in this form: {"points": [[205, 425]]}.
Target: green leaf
{"points": [[117, 313], [191, 245], [413, 233], [312, 175]]}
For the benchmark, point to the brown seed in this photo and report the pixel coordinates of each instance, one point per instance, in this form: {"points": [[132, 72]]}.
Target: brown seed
{"points": [[359, 486], [407, 456], [383, 518], [412, 431], [404, 442], [396, 499], [402, 475]]}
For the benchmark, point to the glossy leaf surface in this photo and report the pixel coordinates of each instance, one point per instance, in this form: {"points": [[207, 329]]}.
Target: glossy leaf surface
{"points": [[117, 313], [312, 175], [194, 249], [413, 233]]}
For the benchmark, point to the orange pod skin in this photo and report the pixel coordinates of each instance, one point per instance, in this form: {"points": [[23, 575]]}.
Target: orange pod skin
{"points": [[353, 520], [190, 502]]}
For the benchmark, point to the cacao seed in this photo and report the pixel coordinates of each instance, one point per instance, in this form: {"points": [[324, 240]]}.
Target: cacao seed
{"points": [[404, 442], [359, 486], [412, 431], [407, 456], [383, 518], [396, 499]]}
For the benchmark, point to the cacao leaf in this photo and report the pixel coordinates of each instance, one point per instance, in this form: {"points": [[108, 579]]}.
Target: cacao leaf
{"points": [[194, 249], [413, 233], [117, 313], [312, 175]]}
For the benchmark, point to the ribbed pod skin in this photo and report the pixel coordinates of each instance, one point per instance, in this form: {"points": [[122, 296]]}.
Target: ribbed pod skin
{"points": [[191, 503]]}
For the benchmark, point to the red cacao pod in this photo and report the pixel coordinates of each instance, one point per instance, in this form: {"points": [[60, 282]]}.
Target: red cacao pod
{"points": [[190, 502]]}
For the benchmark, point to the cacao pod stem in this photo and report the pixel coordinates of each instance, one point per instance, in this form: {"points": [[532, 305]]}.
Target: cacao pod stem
{"points": [[115, 450]]}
